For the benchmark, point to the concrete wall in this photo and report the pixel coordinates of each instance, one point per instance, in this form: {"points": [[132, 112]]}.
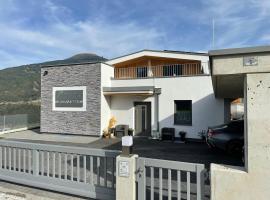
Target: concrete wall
{"points": [[233, 64], [206, 109], [253, 181], [107, 73], [72, 122]]}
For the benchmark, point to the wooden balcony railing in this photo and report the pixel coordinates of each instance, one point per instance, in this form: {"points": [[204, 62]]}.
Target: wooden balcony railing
{"points": [[170, 70]]}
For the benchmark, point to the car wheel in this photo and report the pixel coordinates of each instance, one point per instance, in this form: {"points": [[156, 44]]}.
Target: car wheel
{"points": [[234, 147]]}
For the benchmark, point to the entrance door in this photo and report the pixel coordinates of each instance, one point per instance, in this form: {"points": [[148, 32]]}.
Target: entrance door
{"points": [[143, 118]]}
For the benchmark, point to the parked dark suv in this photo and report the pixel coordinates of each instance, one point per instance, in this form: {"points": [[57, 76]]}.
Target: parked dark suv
{"points": [[229, 137]]}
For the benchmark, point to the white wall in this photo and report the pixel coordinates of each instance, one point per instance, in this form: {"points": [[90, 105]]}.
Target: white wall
{"points": [[107, 72], [206, 109], [122, 107]]}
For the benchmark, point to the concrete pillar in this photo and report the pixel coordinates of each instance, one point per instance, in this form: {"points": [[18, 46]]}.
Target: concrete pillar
{"points": [[126, 177], [253, 181]]}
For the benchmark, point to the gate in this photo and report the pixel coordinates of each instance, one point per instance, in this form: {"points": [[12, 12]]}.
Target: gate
{"points": [[75, 170], [163, 179]]}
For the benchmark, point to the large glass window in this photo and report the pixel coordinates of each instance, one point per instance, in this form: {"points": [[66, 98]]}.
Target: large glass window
{"points": [[183, 112], [172, 70], [142, 72], [69, 98]]}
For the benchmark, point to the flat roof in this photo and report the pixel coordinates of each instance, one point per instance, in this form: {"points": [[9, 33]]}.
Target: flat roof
{"points": [[244, 50], [140, 90], [69, 64]]}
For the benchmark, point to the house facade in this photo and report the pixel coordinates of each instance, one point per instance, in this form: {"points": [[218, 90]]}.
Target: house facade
{"points": [[147, 90]]}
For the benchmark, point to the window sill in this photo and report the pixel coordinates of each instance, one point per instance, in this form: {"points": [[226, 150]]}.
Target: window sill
{"points": [[182, 124]]}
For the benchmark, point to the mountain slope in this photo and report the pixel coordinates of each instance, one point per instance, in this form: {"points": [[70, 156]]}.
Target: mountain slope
{"points": [[22, 83]]}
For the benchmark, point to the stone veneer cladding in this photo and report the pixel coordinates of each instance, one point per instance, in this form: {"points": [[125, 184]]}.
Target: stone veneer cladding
{"points": [[72, 122]]}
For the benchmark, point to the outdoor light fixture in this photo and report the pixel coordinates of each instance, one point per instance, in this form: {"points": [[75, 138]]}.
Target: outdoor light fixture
{"points": [[127, 144], [45, 73]]}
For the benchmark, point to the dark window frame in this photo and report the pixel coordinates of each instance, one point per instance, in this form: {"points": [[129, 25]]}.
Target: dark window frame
{"points": [[177, 122]]}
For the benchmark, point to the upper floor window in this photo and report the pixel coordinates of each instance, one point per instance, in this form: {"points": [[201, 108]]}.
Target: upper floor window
{"points": [[172, 70], [142, 72], [183, 112]]}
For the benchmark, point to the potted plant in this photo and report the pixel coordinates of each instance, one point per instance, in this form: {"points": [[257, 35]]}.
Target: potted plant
{"points": [[130, 131], [182, 135]]}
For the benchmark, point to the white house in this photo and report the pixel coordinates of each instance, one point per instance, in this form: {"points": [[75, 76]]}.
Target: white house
{"points": [[154, 89], [147, 90]]}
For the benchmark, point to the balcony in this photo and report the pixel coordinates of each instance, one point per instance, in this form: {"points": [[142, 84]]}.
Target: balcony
{"points": [[170, 70]]}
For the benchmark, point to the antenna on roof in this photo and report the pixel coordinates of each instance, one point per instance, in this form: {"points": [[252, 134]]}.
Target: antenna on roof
{"points": [[213, 33]]}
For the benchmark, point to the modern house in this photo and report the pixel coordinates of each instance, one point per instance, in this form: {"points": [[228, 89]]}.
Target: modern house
{"points": [[147, 90]]}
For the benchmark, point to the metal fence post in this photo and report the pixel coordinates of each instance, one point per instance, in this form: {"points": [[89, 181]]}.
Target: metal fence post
{"points": [[4, 123], [35, 162]]}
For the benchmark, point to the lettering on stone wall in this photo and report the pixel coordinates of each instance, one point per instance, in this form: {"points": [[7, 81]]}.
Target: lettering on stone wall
{"points": [[69, 98]]}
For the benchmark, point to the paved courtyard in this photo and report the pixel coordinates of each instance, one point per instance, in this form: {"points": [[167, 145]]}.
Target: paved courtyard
{"points": [[194, 152]]}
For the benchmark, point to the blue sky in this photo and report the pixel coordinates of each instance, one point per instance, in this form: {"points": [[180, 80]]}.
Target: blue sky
{"points": [[34, 31]]}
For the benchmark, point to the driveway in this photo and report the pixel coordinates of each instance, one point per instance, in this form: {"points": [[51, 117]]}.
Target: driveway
{"points": [[194, 152]]}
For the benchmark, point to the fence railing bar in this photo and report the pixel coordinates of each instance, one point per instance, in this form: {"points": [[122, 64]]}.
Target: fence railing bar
{"points": [[113, 170], [14, 159], [59, 165], [59, 148], [160, 184], [71, 167], [65, 166], [84, 169], [9, 158], [169, 164], [169, 184], [35, 162], [29, 161], [142, 179], [200, 182], [105, 171], [5, 158], [53, 164], [1, 159], [152, 182], [24, 160], [78, 168], [91, 170], [48, 163], [42, 162], [19, 160], [98, 170], [188, 185], [178, 185]]}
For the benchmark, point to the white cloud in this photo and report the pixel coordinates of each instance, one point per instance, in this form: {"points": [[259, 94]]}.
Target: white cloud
{"points": [[62, 35], [60, 39], [237, 23]]}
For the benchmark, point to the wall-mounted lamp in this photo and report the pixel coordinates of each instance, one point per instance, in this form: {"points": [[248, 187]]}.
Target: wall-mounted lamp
{"points": [[45, 73], [127, 144]]}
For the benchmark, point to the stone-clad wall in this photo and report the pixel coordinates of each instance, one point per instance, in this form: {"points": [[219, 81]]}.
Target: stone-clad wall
{"points": [[71, 122]]}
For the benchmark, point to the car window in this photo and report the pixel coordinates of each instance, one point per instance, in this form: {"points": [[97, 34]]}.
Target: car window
{"points": [[236, 126]]}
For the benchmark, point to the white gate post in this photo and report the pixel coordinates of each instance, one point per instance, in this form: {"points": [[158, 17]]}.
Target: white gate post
{"points": [[125, 172]]}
